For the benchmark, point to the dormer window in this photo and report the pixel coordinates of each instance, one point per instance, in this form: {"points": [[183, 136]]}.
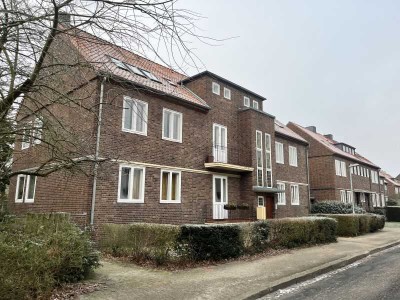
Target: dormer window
{"points": [[215, 88], [246, 101], [255, 104], [227, 93]]}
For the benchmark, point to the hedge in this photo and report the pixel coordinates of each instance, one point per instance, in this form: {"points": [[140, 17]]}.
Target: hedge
{"points": [[164, 243], [40, 252], [393, 213], [335, 207], [354, 225], [295, 232]]}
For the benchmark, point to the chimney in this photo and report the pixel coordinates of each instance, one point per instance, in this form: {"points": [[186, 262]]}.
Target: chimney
{"points": [[312, 128], [64, 18], [329, 136]]}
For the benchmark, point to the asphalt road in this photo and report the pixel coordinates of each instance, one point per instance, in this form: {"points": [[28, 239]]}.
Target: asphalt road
{"points": [[375, 277]]}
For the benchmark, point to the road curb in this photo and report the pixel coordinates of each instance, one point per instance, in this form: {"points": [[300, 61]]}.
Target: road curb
{"points": [[320, 271]]}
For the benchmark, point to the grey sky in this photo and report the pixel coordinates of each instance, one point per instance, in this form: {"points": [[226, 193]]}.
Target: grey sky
{"points": [[333, 64]]}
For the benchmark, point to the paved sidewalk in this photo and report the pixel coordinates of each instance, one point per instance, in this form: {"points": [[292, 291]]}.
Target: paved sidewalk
{"points": [[238, 280]]}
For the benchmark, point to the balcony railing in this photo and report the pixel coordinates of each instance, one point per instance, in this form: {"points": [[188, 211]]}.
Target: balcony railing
{"points": [[227, 158]]}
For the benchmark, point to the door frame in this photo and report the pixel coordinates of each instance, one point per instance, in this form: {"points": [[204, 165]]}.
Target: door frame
{"points": [[222, 177], [226, 141]]}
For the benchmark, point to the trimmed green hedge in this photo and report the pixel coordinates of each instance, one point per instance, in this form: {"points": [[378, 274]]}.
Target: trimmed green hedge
{"points": [[335, 207], [354, 225], [215, 241], [393, 213], [39, 252]]}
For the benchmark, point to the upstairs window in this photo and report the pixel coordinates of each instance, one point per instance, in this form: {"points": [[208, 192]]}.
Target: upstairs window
{"points": [[259, 157], [294, 189], [216, 88], [255, 104], [26, 186], [172, 125], [26, 137], [32, 133], [340, 167], [37, 131], [281, 195], [134, 116], [293, 156], [280, 159], [227, 93], [268, 161], [374, 177], [131, 184], [246, 101], [119, 64], [170, 186]]}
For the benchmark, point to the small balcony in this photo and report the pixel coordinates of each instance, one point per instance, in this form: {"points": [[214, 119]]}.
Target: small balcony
{"points": [[225, 159]]}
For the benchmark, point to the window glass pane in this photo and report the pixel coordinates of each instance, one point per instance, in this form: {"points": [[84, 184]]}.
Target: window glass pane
{"points": [[218, 191], [140, 118], [174, 186], [127, 114], [225, 190], [176, 127], [167, 124], [259, 177], [258, 140], [124, 184], [21, 186], [269, 179], [259, 158], [137, 183], [267, 142], [223, 139], [31, 187], [164, 194]]}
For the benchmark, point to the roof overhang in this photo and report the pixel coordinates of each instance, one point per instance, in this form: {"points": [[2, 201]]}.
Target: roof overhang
{"points": [[228, 167], [262, 189]]}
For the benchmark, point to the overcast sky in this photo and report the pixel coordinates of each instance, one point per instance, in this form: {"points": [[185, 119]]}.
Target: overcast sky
{"points": [[332, 64]]}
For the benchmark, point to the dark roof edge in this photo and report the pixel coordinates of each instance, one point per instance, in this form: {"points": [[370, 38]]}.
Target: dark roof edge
{"points": [[186, 102], [191, 78], [289, 137], [242, 109]]}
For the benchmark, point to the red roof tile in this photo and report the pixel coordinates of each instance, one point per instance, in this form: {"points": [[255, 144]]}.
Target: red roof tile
{"points": [[389, 178], [283, 129], [330, 144], [97, 52]]}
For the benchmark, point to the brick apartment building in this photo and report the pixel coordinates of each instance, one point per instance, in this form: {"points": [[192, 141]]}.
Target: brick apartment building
{"points": [[176, 149], [391, 185], [330, 172]]}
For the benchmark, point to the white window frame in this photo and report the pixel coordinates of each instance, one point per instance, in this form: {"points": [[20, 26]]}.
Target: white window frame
{"points": [[259, 151], [27, 183], [258, 201], [26, 132], [343, 168], [135, 115], [343, 197], [293, 156], [180, 133], [37, 131], [216, 88], [179, 186], [295, 194], [268, 154], [130, 200], [246, 101], [227, 93], [349, 196], [281, 195], [255, 104], [279, 153]]}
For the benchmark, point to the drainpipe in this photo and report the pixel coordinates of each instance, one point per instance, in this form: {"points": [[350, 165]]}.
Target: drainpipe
{"points": [[96, 155], [308, 180]]}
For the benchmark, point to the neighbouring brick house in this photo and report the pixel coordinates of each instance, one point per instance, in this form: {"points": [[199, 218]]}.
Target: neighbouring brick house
{"points": [[391, 185], [331, 175], [176, 149]]}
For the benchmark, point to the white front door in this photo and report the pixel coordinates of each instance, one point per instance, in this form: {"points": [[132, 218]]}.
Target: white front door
{"points": [[220, 143], [220, 197]]}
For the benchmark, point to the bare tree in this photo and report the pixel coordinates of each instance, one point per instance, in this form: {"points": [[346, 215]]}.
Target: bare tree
{"points": [[31, 73]]}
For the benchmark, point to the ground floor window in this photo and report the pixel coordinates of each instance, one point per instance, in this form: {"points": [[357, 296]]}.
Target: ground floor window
{"points": [[131, 184], [261, 201], [349, 197], [343, 196], [281, 195], [294, 189], [26, 186], [170, 186]]}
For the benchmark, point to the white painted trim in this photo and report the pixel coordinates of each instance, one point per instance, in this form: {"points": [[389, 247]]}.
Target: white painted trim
{"points": [[18, 200], [226, 139], [284, 194], [293, 159], [179, 140], [298, 195], [132, 167], [179, 183], [219, 88], [258, 132], [144, 132], [226, 90], [269, 153], [255, 104], [227, 192], [245, 98], [27, 186], [258, 201], [292, 182], [282, 162]]}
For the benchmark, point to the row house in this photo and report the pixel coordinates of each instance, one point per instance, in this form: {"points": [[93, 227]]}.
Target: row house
{"points": [[175, 149], [391, 185], [338, 172]]}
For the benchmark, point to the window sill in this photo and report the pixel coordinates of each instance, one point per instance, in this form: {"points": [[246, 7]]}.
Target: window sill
{"points": [[294, 166], [130, 201], [134, 132], [281, 163], [172, 140], [295, 204], [170, 201], [281, 204]]}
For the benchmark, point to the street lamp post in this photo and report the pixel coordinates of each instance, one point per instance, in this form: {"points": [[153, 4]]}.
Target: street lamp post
{"points": [[351, 185]]}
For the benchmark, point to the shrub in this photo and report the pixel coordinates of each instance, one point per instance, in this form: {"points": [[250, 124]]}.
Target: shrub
{"points": [[393, 213], [211, 242], [335, 207], [39, 252], [377, 222], [140, 240], [294, 232], [392, 202], [254, 236], [379, 211]]}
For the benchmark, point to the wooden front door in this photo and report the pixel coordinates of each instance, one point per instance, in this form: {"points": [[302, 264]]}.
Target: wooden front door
{"points": [[270, 206]]}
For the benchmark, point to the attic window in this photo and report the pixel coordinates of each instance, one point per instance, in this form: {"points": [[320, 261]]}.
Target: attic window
{"points": [[119, 64], [135, 70], [170, 82], [150, 75]]}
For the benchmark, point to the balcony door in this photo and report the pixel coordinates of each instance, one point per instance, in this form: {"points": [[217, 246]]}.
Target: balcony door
{"points": [[220, 197], [220, 144]]}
